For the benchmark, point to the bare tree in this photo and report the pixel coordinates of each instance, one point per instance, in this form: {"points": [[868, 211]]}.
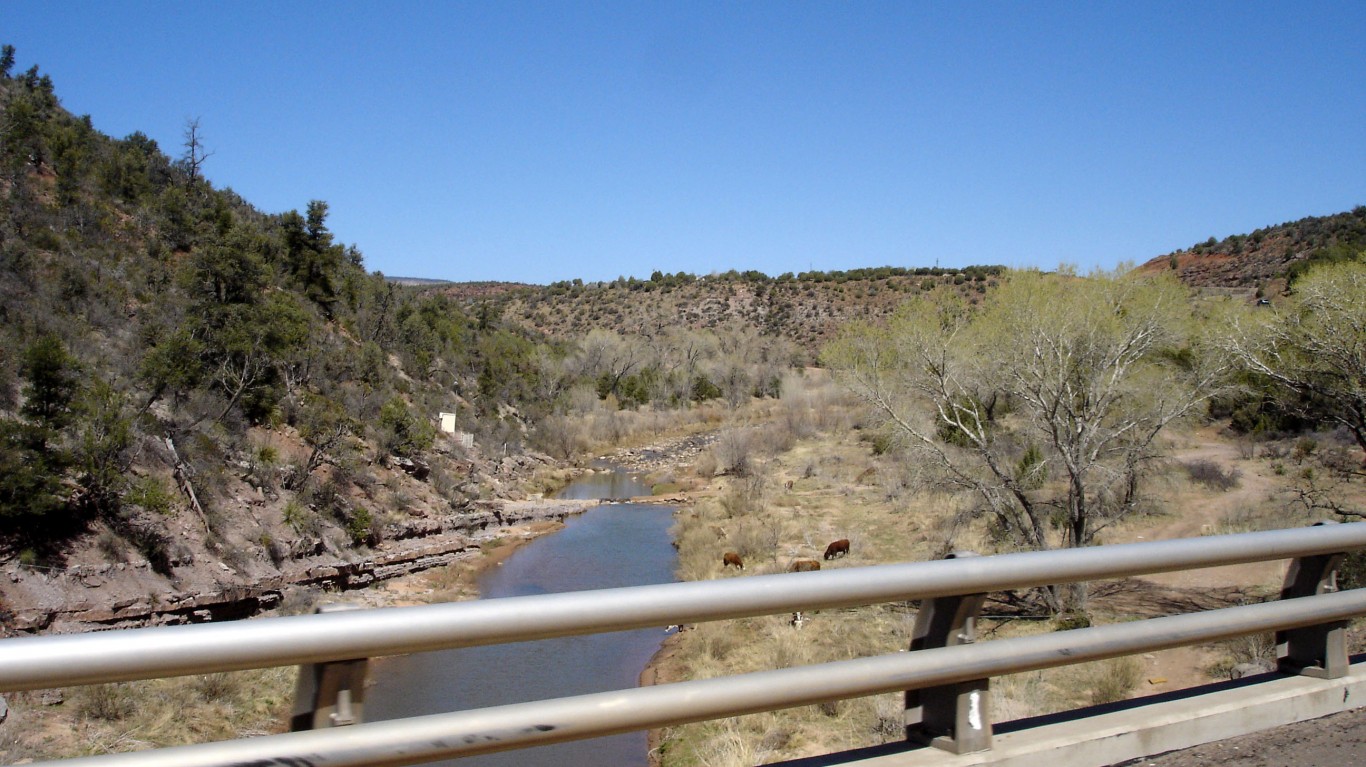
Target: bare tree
{"points": [[608, 357], [195, 152]]}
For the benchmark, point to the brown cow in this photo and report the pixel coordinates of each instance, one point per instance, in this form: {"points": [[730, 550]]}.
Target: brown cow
{"points": [[731, 558], [837, 548], [803, 566]]}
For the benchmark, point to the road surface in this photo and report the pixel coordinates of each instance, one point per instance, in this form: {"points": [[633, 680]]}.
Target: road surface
{"points": [[1333, 741]]}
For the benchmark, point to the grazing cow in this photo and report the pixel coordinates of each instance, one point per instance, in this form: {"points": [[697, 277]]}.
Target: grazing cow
{"points": [[798, 620], [837, 548], [731, 558], [803, 566]]}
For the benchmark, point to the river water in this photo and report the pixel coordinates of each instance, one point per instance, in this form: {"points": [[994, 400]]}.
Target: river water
{"points": [[624, 544]]}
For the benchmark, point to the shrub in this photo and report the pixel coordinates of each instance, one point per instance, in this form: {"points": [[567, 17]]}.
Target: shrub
{"points": [[300, 518], [1257, 649], [1304, 447], [150, 494], [1212, 475], [734, 452], [1352, 571], [360, 526], [220, 686], [109, 702], [1113, 679], [402, 433]]}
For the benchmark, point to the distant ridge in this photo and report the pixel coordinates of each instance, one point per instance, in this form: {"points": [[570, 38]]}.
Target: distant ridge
{"points": [[1266, 259], [807, 308], [416, 281]]}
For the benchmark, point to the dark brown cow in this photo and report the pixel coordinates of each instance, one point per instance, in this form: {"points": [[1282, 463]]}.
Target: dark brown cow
{"points": [[803, 566], [731, 558], [837, 548]]}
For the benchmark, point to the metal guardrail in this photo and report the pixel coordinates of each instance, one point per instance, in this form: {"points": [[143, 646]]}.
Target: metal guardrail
{"points": [[948, 672]]}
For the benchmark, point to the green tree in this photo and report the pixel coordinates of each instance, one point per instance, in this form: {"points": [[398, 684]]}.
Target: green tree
{"points": [[246, 348], [311, 256], [402, 433], [174, 365], [52, 379], [30, 479], [325, 428], [510, 368], [105, 438], [231, 269]]}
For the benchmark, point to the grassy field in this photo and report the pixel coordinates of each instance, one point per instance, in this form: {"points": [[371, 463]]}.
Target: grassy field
{"points": [[808, 471]]}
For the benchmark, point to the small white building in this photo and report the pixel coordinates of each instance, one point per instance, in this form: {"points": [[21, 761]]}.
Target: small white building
{"points": [[448, 422]]}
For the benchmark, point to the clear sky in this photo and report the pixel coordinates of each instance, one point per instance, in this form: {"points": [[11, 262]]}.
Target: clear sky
{"points": [[535, 142]]}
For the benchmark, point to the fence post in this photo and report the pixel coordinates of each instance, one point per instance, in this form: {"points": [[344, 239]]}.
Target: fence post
{"points": [[953, 717], [1319, 651], [329, 694]]}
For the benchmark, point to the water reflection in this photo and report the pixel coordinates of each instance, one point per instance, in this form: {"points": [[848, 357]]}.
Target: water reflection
{"points": [[615, 545]]}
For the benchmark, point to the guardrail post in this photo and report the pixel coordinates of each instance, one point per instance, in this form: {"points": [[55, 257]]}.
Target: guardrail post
{"points": [[953, 717], [329, 694], [1319, 651]]}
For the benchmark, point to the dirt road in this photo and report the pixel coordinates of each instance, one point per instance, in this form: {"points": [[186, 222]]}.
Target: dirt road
{"points": [[1333, 741]]}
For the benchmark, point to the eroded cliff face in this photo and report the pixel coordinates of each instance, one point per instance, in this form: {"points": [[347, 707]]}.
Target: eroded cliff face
{"points": [[257, 544], [94, 596]]}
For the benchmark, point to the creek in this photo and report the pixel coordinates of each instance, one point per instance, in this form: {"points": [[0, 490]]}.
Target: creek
{"points": [[619, 544]]}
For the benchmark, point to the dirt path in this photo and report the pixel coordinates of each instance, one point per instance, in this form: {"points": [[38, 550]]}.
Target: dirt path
{"points": [[1202, 511]]}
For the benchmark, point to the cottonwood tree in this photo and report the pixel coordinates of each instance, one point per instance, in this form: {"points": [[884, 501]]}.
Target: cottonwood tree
{"points": [[1046, 405], [681, 352], [608, 358], [1314, 345]]}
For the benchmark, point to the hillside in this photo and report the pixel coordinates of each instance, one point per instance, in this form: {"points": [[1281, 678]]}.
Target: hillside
{"points": [[809, 307], [1267, 258], [204, 405], [805, 309]]}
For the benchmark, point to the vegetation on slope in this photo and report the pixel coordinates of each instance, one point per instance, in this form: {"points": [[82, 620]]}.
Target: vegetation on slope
{"points": [[1267, 260], [173, 358], [806, 309]]}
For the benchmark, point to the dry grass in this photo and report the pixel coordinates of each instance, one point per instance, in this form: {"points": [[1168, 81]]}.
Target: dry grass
{"points": [[819, 484], [837, 490], [133, 716]]}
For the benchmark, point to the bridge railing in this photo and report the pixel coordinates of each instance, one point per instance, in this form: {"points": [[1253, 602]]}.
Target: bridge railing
{"points": [[946, 677]]}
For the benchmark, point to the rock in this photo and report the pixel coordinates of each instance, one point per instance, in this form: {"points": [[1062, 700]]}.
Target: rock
{"points": [[416, 468], [1250, 669]]}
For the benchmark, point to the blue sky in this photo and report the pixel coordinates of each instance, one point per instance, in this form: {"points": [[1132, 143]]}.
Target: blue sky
{"points": [[535, 142]]}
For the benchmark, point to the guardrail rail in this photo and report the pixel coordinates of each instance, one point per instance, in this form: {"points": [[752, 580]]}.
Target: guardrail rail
{"points": [[945, 677]]}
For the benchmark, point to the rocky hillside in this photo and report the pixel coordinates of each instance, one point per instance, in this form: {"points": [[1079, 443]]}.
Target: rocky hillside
{"points": [[806, 308], [1267, 259], [202, 404]]}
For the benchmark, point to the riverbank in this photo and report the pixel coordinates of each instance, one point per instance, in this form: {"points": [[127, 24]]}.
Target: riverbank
{"points": [[56, 724]]}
